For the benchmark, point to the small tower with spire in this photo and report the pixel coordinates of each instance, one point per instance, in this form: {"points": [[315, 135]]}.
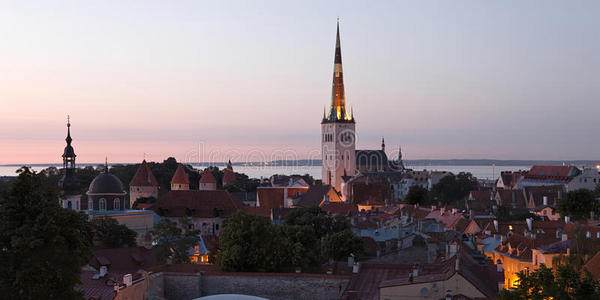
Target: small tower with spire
{"points": [[382, 144], [180, 180], [143, 184], [338, 129], [69, 185]]}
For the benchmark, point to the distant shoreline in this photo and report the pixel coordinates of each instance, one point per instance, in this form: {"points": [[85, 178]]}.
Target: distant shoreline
{"points": [[416, 162]]}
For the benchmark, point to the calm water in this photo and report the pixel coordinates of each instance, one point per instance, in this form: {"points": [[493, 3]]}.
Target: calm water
{"points": [[481, 172]]}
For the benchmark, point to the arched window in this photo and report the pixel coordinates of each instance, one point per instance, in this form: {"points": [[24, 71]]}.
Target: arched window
{"points": [[90, 204], [102, 204], [116, 204]]}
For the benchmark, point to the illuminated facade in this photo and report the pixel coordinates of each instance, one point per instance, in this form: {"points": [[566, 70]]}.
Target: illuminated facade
{"points": [[338, 139]]}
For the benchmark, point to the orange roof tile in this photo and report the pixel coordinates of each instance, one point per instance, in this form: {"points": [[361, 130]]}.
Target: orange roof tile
{"points": [[180, 176], [143, 176], [228, 176], [207, 177]]}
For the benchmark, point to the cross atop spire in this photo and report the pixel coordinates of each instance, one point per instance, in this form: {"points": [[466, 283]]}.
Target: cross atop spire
{"points": [[338, 111]]}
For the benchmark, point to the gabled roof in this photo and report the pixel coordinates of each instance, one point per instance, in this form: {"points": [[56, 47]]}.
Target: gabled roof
{"points": [[196, 203], [593, 266], [143, 176], [269, 198], [180, 176], [314, 196], [449, 219], [553, 171], [228, 176], [510, 198], [339, 208], [207, 177]]}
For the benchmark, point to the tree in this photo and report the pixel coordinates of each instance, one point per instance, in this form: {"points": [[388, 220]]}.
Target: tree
{"points": [[578, 204], [175, 243], [564, 283], [341, 244], [452, 188], [416, 195], [250, 243], [43, 245], [111, 234]]}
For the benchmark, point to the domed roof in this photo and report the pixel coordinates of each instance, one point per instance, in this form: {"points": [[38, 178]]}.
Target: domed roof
{"points": [[106, 183]]}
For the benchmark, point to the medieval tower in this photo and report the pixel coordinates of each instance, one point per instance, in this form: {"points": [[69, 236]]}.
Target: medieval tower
{"points": [[338, 139]]}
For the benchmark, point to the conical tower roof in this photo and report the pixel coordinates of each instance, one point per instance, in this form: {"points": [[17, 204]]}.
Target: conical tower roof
{"points": [[143, 176], [180, 176]]}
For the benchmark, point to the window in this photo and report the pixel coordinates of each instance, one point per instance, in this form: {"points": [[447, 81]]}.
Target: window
{"points": [[90, 204], [117, 204], [102, 204], [69, 205], [216, 226]]}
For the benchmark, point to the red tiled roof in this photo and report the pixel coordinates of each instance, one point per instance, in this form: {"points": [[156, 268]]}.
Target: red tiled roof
{"points": [[448, 218], [180, 177], [95, 288], [143, 176], [207, 177], [269, 198], [195, 203], [510, 198], [593, 266], [339, 208], [124, 260], [228, 176], [558, 171]]}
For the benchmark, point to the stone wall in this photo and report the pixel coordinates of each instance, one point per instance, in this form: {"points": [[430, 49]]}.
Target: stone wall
{"points": [[181, 286]]}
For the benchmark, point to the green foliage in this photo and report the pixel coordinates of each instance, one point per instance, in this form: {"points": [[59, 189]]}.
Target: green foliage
{"points": [[543, 283], [416, 195], [307, 239], [578, 204], [250, 243], [43, 245], [341, 244], [453, 188], [110, 234], [174, 242]]}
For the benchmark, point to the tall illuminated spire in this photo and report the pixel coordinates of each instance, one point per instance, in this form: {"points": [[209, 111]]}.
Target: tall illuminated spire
{"points": [[338, 111]]}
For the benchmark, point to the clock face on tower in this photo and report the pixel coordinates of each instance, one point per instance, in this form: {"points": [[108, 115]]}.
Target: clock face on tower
{"points": [[346, 137]]}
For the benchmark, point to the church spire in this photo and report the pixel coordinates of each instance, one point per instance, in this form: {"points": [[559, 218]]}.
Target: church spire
{"points": [[338, 111]]}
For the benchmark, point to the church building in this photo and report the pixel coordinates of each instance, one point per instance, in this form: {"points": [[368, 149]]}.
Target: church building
{"points": [[70, 193], [341, 162]]}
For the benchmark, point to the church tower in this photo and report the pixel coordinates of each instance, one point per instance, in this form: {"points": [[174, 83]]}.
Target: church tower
{"points": [[70, 194], [337, 129]]}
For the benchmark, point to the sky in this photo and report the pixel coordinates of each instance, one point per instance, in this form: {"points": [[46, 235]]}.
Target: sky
{"points": [[248, 80]]}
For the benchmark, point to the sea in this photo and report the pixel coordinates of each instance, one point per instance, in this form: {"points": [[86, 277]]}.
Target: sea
{"points": [[487, 172]]}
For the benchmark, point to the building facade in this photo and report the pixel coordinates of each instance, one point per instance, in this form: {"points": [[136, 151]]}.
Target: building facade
{"points": [[338, 139]]}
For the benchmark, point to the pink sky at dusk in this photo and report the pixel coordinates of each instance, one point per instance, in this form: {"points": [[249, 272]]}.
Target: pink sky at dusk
{"points": [[466, 79]]}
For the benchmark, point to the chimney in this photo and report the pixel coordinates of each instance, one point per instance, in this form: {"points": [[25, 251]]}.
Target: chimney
{"points": [[567, 219], [356, 268], [454, 211], [350, 260], [103, 271], [496, 225], [127, 279], [415, 270], [545, 200], [442, 210], [433, 207], [529, 223], [499, 266]]}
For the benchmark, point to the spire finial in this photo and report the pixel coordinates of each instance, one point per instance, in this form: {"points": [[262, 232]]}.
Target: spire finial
{"points": [[68, 139], [382, 144], [106, 164]]}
